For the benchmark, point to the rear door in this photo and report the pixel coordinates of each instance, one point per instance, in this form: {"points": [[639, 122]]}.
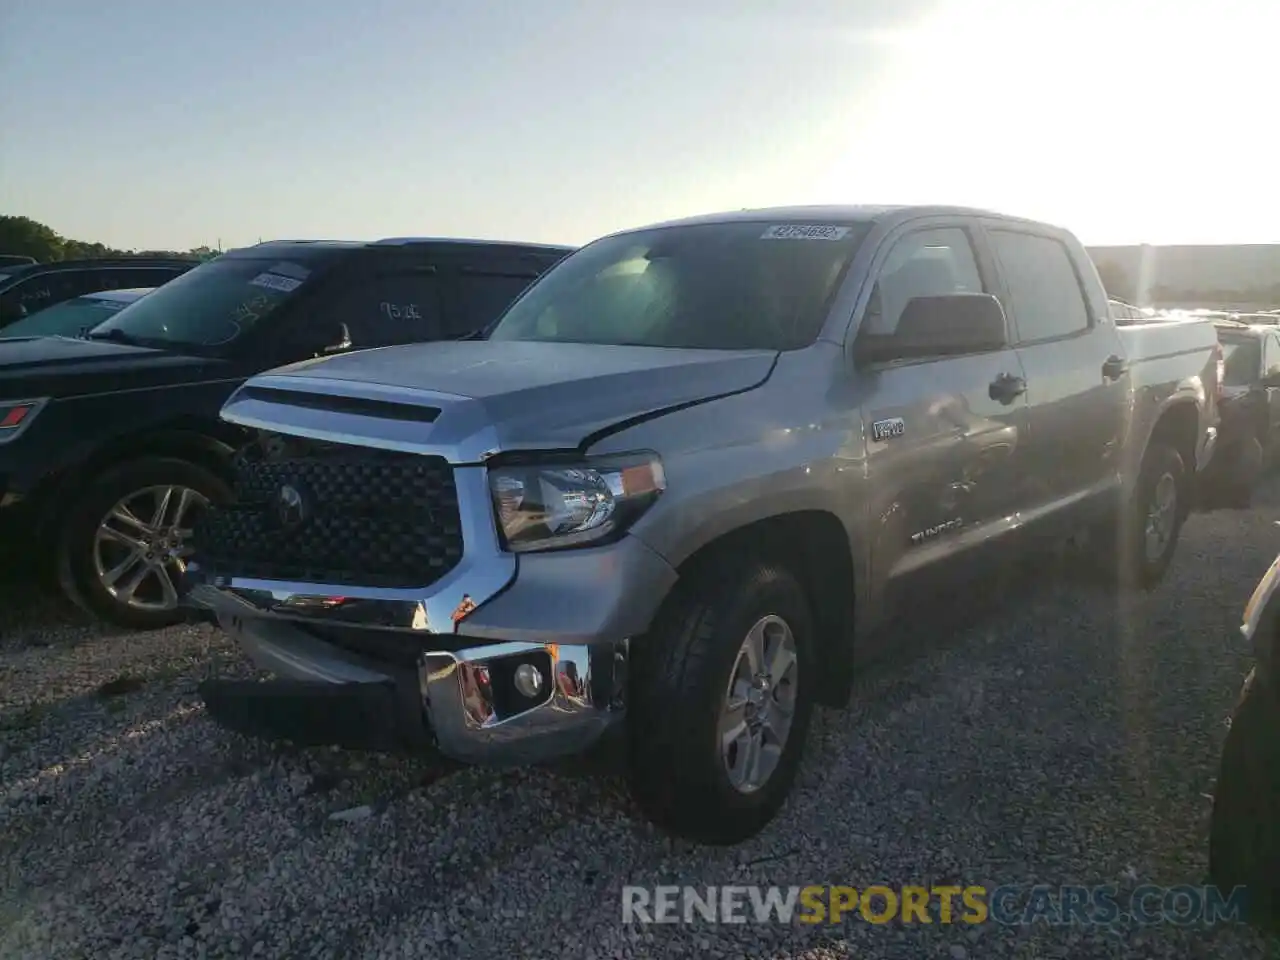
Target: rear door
{"points": [[942, 434], [385, 300], [1077, 377]]}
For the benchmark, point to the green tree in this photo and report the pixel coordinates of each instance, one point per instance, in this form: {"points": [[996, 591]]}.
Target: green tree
{"points": [[27, 237]]}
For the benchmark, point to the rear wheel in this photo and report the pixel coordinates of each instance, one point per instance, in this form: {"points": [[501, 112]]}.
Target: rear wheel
{"points": [[1244, 838], [1141, 545], [722, 695], [123, 550]]}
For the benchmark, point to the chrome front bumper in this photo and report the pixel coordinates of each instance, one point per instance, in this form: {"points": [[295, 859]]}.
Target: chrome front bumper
{"points": [[455, 698]]}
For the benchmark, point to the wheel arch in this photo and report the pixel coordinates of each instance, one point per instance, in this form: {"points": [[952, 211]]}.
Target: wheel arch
{"points": [[815, 547], [208, 444], [1178, 425]]}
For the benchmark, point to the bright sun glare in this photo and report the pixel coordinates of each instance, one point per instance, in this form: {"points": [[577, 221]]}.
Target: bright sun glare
{"points": [[1127, 122]]}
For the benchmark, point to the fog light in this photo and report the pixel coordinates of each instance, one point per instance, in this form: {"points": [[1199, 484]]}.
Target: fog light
{"points": [[528, 680]]}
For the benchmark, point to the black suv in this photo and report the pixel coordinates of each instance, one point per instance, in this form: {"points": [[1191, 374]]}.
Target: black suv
{"points": [[28, 288], [110, 446]]}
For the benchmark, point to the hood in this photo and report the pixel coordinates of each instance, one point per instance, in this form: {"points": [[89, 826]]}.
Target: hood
{"points": [[62, 367], [472, 398]]}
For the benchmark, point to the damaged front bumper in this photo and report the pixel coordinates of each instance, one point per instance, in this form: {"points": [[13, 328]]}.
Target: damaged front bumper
{"points": [[367, 672], [462, 701]]}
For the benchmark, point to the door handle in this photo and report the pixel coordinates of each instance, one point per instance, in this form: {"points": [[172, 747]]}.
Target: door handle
{"points": [[1113, 368], [1006, 388]]}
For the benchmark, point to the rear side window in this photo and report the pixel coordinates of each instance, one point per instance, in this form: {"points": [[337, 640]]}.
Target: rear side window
{"points": [[146, 276], [1272, 358], [44, 290], [481, 296], [1046, 298], [1241, 361]]}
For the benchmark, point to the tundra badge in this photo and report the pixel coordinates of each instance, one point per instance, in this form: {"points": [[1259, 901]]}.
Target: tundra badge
{"points": [[887, 429]]}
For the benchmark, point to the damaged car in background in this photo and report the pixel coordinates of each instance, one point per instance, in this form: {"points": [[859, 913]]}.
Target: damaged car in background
{"points": [[680, 486]]}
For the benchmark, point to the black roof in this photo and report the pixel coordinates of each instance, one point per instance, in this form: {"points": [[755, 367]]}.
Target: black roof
{"points": [[275, 247], [61, 265]]}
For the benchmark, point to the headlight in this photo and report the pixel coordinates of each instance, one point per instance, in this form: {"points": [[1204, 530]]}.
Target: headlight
{"points": [[542, 507], [16, 416]]}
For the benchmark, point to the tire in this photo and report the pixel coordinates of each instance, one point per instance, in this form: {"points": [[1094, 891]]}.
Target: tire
{"points": [[1244, 837], [1135, 564], [680, 685], [80, 555]]}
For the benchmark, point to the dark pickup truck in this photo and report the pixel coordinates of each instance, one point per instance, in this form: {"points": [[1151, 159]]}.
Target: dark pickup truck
{"points": [[110, 446], [1249, 410]]}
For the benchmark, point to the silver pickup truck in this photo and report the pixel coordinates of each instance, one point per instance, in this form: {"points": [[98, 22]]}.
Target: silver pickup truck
{"points": [[679, 485]]}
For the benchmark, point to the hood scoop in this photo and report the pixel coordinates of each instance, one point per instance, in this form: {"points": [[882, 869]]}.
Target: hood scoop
{"points": [[361, 406]]}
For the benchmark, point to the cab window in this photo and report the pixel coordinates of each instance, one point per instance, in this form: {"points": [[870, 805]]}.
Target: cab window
{"points": [[927, 263]]}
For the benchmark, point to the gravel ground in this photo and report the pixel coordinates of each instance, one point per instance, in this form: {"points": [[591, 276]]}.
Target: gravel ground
{"points": [[1071, 739]]}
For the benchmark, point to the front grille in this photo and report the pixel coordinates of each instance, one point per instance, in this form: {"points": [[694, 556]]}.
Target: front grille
{"points": [[337, 514]]}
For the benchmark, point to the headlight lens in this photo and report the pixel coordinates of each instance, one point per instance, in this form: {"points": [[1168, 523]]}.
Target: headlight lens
{"points": [[543, 507]]}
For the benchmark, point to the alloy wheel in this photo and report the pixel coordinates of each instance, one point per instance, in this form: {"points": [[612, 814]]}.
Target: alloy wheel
{"points": [[141, 546], [759, 704]]}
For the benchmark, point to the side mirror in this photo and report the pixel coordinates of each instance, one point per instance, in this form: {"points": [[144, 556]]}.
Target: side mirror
{"points": [[949, 325], [343, 342]]}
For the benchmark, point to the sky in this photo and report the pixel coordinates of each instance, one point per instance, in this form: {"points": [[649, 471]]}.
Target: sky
{"points": [[155, 124]]}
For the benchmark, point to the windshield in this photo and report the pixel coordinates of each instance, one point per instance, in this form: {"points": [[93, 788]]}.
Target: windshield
{"points": [[209, 306], [719, 286], [1241, 362], [70, 318]]}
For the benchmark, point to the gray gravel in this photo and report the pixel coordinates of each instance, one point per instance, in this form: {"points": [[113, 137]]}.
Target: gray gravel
{"points": [[1068, 740]]}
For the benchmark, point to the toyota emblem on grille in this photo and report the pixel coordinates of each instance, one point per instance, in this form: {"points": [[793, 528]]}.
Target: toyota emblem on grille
{"points": [[292, 508]]}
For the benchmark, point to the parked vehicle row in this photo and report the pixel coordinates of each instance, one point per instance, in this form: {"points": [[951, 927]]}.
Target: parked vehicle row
{"points": [[75, 317], [111, 446], [27, 289], [679, 489], [1249, 397]]}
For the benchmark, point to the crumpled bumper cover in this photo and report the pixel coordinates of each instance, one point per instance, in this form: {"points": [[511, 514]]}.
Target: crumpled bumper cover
{"points": [[461, 700]]}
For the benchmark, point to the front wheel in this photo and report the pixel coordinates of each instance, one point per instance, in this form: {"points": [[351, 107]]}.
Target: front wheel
{"points": [[1244, 838], [124, 548], [722, 696]]}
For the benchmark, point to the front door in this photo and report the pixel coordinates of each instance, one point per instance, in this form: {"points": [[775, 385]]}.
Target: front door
{"points": [[943, 434]]}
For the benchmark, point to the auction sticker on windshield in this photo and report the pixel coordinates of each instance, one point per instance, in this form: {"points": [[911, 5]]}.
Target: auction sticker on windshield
{"points": [[273, 281], [805, 231]]}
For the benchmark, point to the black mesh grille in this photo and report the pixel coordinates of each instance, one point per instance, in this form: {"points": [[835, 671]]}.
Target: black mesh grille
{"points": [[331, 513]]}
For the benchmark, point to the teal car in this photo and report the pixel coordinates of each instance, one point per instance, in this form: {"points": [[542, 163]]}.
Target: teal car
{"points": [[74, 317]]}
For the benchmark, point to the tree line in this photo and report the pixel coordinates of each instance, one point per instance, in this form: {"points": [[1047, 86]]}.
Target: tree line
{"points": [[31, 238]]}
